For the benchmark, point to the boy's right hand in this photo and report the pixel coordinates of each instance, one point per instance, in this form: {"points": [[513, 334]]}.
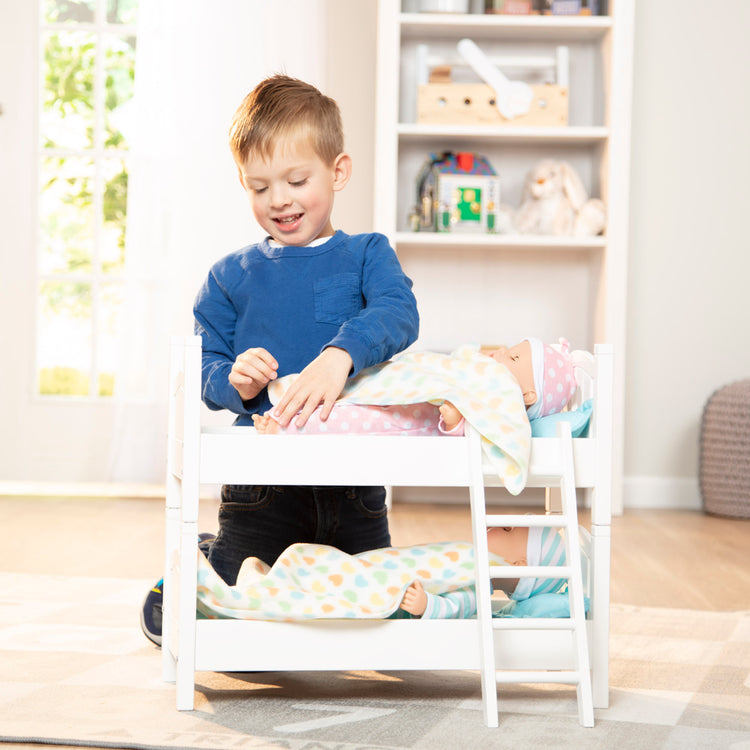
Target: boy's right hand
{"points": [[252, 371]]}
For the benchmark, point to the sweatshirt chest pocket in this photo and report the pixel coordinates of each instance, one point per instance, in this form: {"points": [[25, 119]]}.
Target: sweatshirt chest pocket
{"points": [[337, 298]]}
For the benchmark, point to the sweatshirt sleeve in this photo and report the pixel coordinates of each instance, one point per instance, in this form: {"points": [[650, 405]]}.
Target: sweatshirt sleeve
{"points": [[389, 322], [215, 318]]}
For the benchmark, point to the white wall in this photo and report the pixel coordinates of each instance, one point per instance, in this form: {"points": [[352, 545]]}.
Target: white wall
{"points": [[689, 303], [689, 308], [350, 80]]}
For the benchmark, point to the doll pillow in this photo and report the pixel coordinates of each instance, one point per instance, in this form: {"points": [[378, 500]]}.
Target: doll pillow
{"points": [[577, 418]]}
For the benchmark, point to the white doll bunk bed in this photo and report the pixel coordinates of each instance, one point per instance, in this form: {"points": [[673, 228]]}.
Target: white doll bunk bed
{"points": [[571, 650]]}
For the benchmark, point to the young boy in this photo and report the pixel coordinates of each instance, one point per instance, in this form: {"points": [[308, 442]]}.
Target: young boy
{"points": [[306, 299]]}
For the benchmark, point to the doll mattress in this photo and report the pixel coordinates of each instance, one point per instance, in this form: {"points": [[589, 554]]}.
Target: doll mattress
{"points": [[314, 581]]}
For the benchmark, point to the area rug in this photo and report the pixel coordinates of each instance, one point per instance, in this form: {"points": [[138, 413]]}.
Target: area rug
{"points": [[75, 669]]}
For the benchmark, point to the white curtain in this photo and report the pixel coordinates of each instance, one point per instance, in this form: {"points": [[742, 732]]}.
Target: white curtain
{"points": [[196, 60]]}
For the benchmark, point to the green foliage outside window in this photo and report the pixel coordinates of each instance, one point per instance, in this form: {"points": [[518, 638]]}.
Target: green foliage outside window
{"points": [[83, 186]]}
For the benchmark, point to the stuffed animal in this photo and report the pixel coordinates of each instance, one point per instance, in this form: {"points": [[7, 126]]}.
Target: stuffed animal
{"points": [[554, 201]]}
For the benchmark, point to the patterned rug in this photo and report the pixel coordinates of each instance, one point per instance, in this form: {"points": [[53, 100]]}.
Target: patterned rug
{"points": [[75, 669]]}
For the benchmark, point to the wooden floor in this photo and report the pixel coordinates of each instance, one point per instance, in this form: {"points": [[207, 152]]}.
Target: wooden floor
{"points": [[678, 559]]}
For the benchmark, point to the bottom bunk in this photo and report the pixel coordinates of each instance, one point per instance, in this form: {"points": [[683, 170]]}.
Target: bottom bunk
{"points": [[377, 645], [543, 644]]}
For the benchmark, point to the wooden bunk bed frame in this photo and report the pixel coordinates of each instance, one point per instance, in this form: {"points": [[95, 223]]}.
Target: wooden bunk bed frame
{"points": [[502, 649]]}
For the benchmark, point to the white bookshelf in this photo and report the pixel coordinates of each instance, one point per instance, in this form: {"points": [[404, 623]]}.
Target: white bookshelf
{"points": [[497, 287]]}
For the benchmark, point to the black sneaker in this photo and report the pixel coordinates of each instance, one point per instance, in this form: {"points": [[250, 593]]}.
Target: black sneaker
{"points": [[153, 604], [204, 542], [151, 613]]}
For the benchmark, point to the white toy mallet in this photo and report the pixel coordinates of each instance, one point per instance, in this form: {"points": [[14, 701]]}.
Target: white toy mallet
{"points": [[513, 98]]}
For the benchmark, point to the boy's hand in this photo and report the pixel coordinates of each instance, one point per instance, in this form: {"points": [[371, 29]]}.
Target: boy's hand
{"points": [[252, 371], [321, 382]]}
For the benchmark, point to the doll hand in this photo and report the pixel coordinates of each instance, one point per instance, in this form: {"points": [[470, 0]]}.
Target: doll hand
{"points": [[252, 371], [451, 416], [321, 382], [415, 599], [265, 424]]}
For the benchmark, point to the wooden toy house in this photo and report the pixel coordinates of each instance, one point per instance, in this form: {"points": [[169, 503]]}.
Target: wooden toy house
{"points": [[457, 192]]}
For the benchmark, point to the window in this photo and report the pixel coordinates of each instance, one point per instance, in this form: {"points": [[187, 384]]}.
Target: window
{"points": [[86, 89]]}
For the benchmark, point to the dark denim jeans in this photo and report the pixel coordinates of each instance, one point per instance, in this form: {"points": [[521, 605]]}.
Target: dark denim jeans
{"points": [[260, 521]]}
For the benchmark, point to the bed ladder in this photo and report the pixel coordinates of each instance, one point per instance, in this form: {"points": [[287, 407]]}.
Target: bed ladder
{"points": [[560, 475]]}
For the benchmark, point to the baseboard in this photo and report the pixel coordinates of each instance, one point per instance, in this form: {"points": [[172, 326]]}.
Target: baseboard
{"points": [[670, 493], [80, 489]]}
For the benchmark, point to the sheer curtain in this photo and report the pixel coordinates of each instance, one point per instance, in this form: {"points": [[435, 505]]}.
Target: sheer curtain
{"points": [[196, 59]]}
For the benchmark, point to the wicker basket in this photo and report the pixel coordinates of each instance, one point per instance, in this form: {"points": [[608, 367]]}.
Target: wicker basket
{"points": [[725, 451]]}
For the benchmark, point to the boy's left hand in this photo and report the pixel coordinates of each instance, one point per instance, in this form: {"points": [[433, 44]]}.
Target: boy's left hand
{"points": [[321, 382]]}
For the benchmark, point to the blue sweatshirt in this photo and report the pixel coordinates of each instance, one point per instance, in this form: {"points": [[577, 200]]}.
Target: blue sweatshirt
{"points": [[349, 292]]}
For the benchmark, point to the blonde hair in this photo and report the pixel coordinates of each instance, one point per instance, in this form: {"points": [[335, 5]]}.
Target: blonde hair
{"points": [[284, 107]]}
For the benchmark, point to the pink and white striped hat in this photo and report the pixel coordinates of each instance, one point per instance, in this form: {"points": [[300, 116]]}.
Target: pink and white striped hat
{"points": [[554, 379]]}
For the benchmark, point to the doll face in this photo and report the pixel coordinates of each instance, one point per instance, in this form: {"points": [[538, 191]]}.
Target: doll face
{"points": [[510, 544], [518, 360]]}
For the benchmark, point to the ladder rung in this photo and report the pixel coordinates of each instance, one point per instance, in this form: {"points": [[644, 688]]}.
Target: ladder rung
{"points": [[529, 520], [530, 571], [533, 623], [568, 677]]}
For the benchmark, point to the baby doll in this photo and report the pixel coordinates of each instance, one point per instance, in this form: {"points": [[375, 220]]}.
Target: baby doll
{"points": [[544, 375], [517, 546]]}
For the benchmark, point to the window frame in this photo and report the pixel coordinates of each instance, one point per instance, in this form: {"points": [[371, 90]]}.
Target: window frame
{"points": [[97, 278]]}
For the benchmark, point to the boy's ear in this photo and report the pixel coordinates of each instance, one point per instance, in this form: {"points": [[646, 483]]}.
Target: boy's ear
{"points": [[342, 171], [241, 178], [529, 398]]}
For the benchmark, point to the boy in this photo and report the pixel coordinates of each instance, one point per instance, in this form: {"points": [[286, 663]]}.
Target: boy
{"points": [[306, 299]]}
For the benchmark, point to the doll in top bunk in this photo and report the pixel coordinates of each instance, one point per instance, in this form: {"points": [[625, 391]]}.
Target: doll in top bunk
{"points": [[544, 375], [528, 597]]}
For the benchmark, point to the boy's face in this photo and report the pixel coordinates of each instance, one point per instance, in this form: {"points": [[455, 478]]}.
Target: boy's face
{"points": [[291, 194]]}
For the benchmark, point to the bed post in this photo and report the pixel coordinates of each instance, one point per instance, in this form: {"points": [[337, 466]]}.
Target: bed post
{"points": [[601, 523], [182, 565], [482, 579], [173, 490]]}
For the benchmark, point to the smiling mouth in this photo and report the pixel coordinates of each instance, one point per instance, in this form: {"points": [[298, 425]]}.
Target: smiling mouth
{"points": [[287, 220]]}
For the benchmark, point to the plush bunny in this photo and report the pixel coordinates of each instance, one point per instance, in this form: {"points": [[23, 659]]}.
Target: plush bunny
{"points": [[554, 201]]}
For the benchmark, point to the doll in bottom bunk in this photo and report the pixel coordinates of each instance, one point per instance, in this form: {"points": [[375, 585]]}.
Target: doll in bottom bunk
{"points": [[310, 581], [527, 597], [429, 581]]}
